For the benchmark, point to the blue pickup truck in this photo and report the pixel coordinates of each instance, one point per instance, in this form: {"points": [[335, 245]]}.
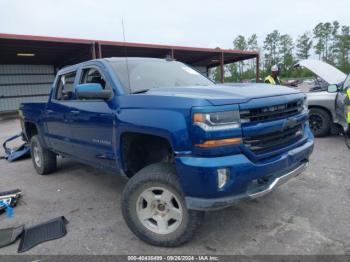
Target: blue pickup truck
{"points": [[186, 144]]}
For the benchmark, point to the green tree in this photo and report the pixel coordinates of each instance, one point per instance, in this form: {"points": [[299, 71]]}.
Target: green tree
{"points": [[286, 54], [271, 47], [214, 74], [304, 45], [333, 45], [252, 42], [240, 43], [327, 31], [233, 69], [324, 34], [319, 37], [252, 45], [343, 49]]}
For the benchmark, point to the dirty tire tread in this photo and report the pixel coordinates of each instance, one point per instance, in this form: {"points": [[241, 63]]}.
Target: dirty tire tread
{"points": [[326, 120], [165, 174], [48, 158], [347, 137]]}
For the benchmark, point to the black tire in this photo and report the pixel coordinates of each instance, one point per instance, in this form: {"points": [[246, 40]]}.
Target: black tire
{"points": [[48, 159], [159, 175], [320, 122], [347, 140], [346, 134]]}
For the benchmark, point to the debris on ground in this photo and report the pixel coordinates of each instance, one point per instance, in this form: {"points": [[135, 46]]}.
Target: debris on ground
{"points": [[8, 200], [12, 154]]}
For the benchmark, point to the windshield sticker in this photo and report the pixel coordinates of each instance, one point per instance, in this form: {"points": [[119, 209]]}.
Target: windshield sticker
{"points": [[190, 70]]}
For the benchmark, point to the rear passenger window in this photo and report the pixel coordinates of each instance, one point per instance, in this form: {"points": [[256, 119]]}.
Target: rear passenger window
{"points": [[64, 87]]}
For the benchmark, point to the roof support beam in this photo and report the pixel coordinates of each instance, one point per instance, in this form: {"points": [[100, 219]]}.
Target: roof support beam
{"points": [[257, 68], [93, 51], [221, 67], [99, 48]]}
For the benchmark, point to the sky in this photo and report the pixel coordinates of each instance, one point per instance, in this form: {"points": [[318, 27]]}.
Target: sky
{"points": [[200, 23]]}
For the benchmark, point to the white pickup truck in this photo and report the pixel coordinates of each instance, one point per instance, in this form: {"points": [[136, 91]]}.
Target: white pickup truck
{"points": [[327, 106]]}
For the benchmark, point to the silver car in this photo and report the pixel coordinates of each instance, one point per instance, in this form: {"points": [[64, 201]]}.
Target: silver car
{"points": [[327, 102]]}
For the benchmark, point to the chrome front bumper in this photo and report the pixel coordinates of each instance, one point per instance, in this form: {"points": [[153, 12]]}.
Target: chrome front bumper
{"points": [[280, 180]]}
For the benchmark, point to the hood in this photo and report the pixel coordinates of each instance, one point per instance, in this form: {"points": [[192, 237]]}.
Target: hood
{"points": [[224, 94], [327, 72]]}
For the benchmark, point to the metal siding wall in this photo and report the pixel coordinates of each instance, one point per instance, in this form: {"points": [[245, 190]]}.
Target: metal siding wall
{"points": [[24, 83]]}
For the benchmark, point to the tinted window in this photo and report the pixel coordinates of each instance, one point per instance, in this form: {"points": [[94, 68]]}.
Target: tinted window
{"points": [[65, 86], [137, 75]]}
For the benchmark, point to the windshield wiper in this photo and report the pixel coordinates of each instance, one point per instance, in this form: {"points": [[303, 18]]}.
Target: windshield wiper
{"points": [[140, 91]]}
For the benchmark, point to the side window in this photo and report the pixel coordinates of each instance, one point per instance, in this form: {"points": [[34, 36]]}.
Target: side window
{"points": [[64, 87], [92, 75]]}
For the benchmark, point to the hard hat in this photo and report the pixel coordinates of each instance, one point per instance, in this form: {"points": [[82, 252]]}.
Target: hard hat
{"points": [[274, 68]]}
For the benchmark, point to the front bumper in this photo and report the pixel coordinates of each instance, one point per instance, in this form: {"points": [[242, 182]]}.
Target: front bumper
{"points": [[259, 191], [247, 180]]}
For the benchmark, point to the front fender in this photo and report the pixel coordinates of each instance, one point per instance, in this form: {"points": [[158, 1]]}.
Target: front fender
{"points": [[324, 100], [168, 124]]}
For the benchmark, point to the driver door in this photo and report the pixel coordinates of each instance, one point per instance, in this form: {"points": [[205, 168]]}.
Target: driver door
{"points": [[342, 103], [92, 123]]}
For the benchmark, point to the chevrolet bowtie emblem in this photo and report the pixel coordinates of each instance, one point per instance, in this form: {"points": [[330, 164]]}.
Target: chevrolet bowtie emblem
{"points": [[289, 123]]}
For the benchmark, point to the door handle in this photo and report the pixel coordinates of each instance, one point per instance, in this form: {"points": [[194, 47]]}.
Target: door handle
{"points": [[75, 112], [49, 111]]}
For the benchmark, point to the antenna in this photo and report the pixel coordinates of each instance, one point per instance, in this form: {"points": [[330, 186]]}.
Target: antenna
{"points": [[126, 56]]}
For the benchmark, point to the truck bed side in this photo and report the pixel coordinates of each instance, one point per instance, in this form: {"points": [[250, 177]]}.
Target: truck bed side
{"points": [[31, 119]]}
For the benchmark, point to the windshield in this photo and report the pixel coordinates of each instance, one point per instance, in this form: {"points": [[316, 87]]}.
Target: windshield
{"points": [[145, 74]]}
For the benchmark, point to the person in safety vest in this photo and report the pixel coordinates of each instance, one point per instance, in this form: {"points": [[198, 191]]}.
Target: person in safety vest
{"points": [[273, 78]]}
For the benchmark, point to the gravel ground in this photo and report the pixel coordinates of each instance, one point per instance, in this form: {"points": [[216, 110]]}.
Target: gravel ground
{"points": [[308, 215]]}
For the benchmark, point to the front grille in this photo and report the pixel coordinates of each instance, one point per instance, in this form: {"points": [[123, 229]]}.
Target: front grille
{"points": [[267, 142], [271, 112]]}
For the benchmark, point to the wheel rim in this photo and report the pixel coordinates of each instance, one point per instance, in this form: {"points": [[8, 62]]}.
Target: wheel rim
{"points": [[36, 155], [316, 122], [159, 210]]}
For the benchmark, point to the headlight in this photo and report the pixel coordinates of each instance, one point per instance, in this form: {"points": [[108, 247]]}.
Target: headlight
{"points": [[217, 120]]}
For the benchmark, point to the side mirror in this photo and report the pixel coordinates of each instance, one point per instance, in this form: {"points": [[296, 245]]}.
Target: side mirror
{"points": [[332, 88], [92, 91]]}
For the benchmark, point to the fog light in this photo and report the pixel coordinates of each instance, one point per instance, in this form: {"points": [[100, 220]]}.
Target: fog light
{"points": [[223, 175]]}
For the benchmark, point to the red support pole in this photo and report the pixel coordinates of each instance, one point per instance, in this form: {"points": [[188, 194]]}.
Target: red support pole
{"points": [[257, 68], [222, 67]]}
